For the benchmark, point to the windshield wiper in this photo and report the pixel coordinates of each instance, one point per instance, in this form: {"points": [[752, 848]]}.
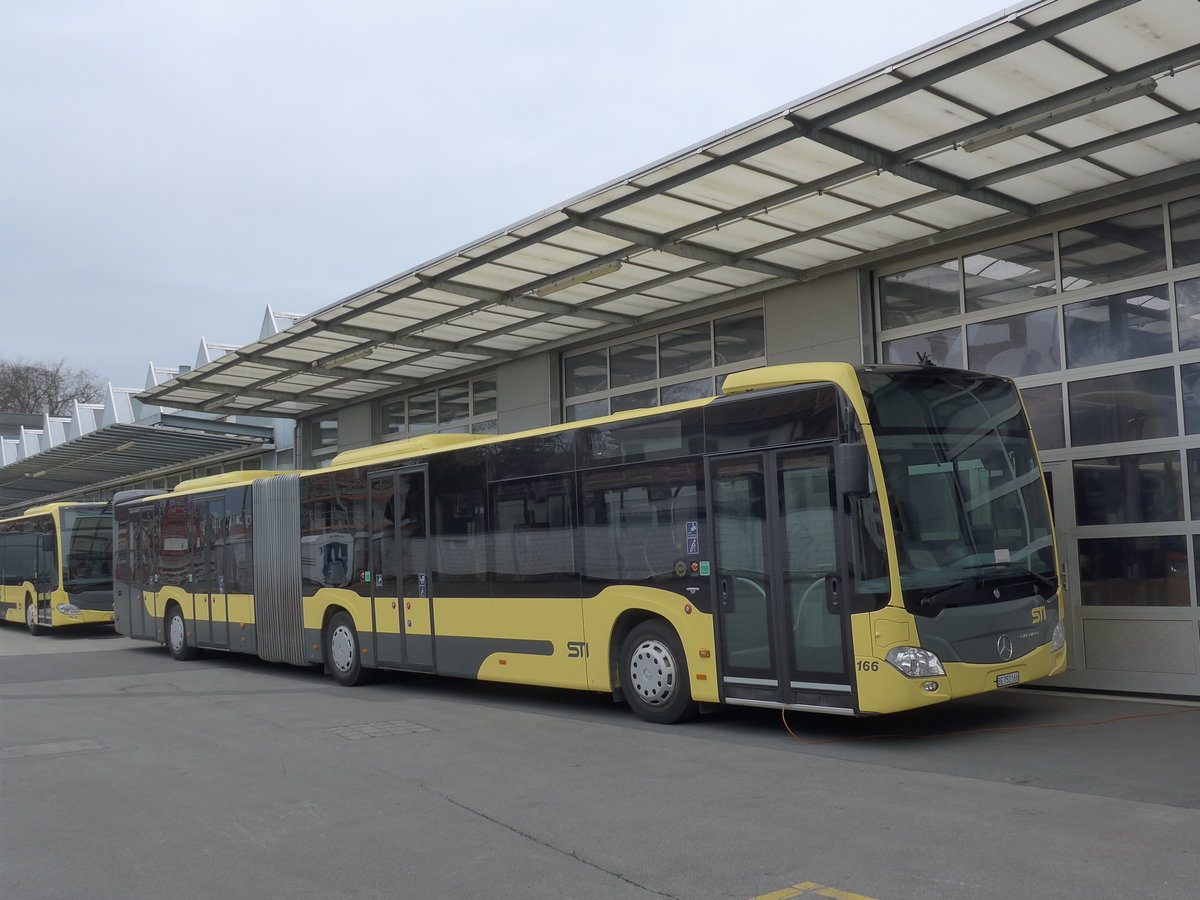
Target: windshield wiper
{"points": [[933, 603], [1050, 584]]}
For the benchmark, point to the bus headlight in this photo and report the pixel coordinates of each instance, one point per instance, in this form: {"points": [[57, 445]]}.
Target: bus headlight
{"points": [[915, 662], [1058, 637], [69, 609]]}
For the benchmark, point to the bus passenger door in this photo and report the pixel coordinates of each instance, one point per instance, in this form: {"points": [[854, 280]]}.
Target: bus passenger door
{"points": [[208, 585], [130, 600], [782, 626], [401, 586]]}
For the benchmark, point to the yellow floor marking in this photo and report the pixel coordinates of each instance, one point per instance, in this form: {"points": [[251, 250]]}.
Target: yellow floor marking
{"points": [[810, 888]]}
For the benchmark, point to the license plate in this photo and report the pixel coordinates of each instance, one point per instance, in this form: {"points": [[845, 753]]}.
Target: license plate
{"points": [[1007, 678]]}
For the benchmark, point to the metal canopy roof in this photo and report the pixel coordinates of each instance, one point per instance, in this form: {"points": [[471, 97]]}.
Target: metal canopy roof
{"points": [[1041, 110], [112, 453]]}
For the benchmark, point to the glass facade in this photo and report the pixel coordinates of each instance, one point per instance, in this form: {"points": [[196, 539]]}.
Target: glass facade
{"points": [[464, 406], [1099, 323], [671, 366]]}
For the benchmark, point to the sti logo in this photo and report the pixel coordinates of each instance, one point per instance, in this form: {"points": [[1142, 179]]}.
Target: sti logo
{"points": [[1039, 615], [577, 649]]}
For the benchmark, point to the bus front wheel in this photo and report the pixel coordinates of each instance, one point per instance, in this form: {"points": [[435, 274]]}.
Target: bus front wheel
{"points": [[654, 674], [177, 636], [31, 617], [343, 656]]}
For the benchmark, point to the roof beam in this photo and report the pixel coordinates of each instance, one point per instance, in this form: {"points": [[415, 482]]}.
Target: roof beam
{"points": [[520, 301], [916, 172], [1187, 55], [688, 249], [336, 375], [402, 339], [972, 60]]}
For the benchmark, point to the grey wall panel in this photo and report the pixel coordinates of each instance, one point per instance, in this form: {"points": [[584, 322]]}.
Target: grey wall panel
{"points": [[277, 591], [527, 393], [816, 321], [355, 426]]}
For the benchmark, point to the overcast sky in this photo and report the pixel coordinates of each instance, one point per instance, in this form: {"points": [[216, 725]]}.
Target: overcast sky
{"points": [[170, 168]]}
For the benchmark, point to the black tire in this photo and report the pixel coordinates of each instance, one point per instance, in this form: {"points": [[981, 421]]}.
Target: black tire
{"points": [[31, 618], [175, 631], [654, 674], [343, 653]]}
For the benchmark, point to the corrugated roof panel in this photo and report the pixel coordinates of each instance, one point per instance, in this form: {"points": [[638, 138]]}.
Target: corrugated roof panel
{"points": [[451, 332], [1028, 76], [429, 304], [1170, 149], [660, 214], [640, 305], [384, 322], [989, 160], [810, 254], [549, 331], [664, 172], [908, 121], [741, 236], [495, 277], [594, 243], [881, 190], [885, 232], [1047, 185], [953, 212], [1182, 88], [546, 259], [830, 101], [803, 161], [490, 320], [243, 376], [685, 290], [738, 139], [732, 187], [942, 53], [1106, 122], [1124, 38], [813, 212]]}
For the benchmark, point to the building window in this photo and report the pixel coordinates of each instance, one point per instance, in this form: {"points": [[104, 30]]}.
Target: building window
{"points": [[1016, 345], [320, 441], [464, 406], [1113, 249], [1010, 274], [682, 363], [1185, 232], [1122, 326], [921, 295]]}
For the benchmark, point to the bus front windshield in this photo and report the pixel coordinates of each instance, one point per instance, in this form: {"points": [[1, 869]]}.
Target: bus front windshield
{"points": [[964, 484], [87, 549]]}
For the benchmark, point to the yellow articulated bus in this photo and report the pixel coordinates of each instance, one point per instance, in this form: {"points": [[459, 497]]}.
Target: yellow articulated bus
{"points": [[56, 566], [825, 537]]}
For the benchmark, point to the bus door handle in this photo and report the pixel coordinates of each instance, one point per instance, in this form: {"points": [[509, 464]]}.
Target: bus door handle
{"points": [[726, 594], [833, 594]]}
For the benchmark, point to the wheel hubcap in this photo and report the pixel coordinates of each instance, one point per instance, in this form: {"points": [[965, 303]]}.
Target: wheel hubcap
{"points": [[30, 615], [176, 633], [341, 648], [652, 672]]}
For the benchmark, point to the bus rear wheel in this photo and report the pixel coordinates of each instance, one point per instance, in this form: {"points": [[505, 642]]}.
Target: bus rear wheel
{"points": [[343, 655], [176, 629], [654, 674], [31, 617]]}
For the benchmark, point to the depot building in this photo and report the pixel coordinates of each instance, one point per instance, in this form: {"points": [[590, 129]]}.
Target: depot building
{"points": [[1021, 198]]}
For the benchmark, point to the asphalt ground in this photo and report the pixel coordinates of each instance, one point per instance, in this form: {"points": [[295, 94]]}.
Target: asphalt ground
{"points": [[125, 774]]}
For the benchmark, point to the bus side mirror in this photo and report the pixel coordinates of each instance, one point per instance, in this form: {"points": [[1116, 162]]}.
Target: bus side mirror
{"points": [[852, 467]]}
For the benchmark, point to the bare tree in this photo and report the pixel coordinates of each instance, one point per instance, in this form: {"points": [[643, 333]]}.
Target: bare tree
{"points": [[45, 387]]}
